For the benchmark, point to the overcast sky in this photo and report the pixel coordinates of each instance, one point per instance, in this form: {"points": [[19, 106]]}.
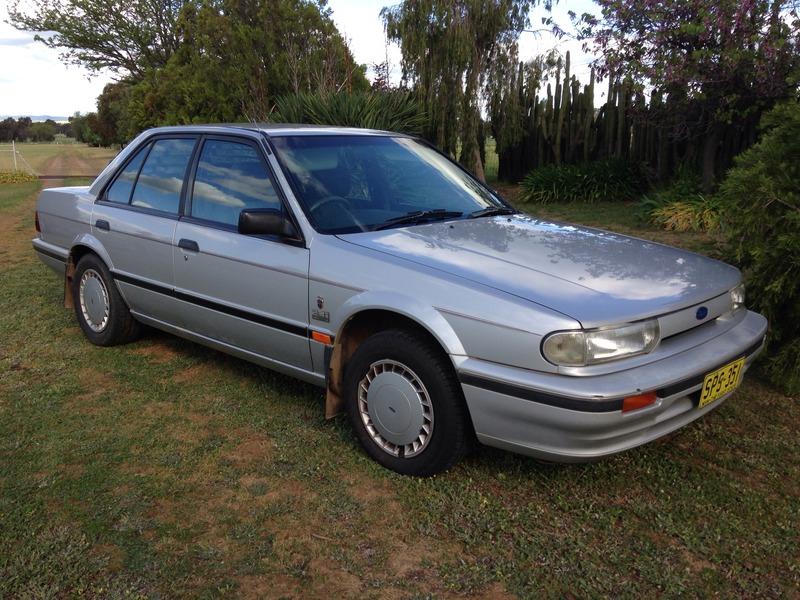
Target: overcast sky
{"points": [[34, 81]]}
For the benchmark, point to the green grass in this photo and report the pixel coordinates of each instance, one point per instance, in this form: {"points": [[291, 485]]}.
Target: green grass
{"points": [[57, 159], [621, 217], [77, 181], [12, 196], [163, 469]]}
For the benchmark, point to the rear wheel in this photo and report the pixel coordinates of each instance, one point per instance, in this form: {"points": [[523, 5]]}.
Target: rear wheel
{"points": [[102, 314], [405, 404]]}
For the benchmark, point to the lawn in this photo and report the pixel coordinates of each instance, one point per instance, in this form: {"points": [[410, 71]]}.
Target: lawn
{"points": [[163, 469], [57, 159]]}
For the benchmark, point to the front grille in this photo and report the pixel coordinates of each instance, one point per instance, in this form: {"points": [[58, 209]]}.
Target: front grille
{"points": [[697, 327]]}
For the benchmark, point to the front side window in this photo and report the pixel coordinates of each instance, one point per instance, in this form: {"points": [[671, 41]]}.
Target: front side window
{"points": [[161, 178], [352, 183], [120, 190], [231, 177]]}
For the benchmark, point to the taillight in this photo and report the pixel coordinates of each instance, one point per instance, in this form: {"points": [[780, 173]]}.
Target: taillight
{"points": [[36, 222]]}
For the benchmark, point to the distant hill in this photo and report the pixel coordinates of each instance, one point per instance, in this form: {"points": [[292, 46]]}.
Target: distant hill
{"points": [[37, 118]]}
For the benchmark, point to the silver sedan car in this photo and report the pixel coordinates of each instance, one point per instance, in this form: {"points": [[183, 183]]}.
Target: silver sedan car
{"points": [[431, 311]]}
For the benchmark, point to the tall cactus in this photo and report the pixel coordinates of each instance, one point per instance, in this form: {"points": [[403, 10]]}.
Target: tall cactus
{"points": [[562, 124], [610, 115], [563, 107], [588, 117], [622, 106]]}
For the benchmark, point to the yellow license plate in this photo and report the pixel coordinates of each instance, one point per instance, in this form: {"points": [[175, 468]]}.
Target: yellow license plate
{"points": [[720, 382]]}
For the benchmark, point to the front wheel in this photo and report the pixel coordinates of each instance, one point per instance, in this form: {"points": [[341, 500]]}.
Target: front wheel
{"points": [[405, 404]]}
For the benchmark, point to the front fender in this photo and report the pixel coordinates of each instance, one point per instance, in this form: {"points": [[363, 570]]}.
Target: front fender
{"points": [[409, 307], [423, 314]]}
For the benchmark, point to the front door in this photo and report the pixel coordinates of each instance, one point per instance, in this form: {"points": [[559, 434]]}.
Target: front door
{"points": [[248, 292]]}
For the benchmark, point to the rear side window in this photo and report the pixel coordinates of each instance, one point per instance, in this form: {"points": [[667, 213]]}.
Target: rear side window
{"points": [[120, 190], [230, 177], [161, 178]]}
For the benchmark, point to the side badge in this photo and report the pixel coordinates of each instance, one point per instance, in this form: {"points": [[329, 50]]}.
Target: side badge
{"points": [[321, 315], [701, 313]]}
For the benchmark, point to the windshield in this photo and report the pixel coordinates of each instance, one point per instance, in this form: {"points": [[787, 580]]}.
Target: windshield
{"points": [[352, 183]]}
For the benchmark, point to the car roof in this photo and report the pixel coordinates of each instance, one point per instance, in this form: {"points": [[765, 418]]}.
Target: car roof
{"points": [[274, 129]]}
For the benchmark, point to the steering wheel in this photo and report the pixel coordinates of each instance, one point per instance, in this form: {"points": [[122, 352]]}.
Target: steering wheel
{"points": [[330, 200], [340, 202]]}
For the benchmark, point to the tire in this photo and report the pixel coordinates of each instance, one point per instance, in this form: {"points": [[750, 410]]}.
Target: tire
{"points": [[413, 384], [102, 328]]}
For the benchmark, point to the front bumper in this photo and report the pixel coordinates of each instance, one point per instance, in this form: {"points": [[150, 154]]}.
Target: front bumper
{"points": [[576, 419]]}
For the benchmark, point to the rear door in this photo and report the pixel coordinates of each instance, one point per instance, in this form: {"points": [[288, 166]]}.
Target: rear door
{"points": [[248, 292], [135, 219]]}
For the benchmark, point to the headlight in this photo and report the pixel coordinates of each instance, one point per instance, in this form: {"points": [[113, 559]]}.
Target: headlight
{"points": [[737, 297], [579, 348]]}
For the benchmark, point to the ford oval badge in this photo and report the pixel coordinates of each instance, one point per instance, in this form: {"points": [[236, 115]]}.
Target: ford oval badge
{"points": [[701, 313]]}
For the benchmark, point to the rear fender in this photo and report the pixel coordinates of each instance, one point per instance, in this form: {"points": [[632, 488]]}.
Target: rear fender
{"points": [[79, 245]]}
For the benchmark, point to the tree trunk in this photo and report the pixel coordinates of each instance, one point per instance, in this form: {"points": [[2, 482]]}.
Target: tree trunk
{"points": [[470, 149], [709, 159]]}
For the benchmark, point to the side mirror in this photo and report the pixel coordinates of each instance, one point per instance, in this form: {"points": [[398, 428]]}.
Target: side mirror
{"points": [[266, 221]]}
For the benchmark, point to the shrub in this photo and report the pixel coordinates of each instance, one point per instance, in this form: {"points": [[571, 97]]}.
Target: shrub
{"points": [[391, 111], [761, 213], [16, 177], [681, 206], [699, 213], [597, 181]]}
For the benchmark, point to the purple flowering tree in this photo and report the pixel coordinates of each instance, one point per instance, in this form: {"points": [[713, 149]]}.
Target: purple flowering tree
{"points": [[717, 60]]}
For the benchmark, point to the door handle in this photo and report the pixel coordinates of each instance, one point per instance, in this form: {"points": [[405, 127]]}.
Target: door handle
{"points": [[190, 245], [102, 224]]}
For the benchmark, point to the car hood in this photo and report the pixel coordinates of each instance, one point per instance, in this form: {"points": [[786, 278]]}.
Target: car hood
{"points": [[593, 276]]}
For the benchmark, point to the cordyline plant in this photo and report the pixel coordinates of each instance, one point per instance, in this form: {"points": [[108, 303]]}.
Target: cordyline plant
{"points": [[724, 59]]}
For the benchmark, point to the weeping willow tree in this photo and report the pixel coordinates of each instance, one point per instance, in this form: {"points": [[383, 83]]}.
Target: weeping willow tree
{"points": [[450, 50]]}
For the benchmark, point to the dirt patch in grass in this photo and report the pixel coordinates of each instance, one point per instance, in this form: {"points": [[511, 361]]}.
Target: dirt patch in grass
{"points": [[158, 409], [98, 386], [158, 351], [111, 554], [72, 471], [288, 489], [143, 470], [256, 587], [193, 374], [252, 449]]}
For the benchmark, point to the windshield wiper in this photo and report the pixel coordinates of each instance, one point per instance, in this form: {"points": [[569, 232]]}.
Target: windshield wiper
{"points": [[492, 211], [418, 216]]}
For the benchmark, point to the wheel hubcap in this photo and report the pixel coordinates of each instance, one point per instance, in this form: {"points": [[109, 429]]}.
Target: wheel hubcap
{"points": [[395, 408], [94, 300]]}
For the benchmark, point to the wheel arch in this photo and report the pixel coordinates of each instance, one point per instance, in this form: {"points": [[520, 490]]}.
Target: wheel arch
{"points": [[367, 318], [82, 245]]}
